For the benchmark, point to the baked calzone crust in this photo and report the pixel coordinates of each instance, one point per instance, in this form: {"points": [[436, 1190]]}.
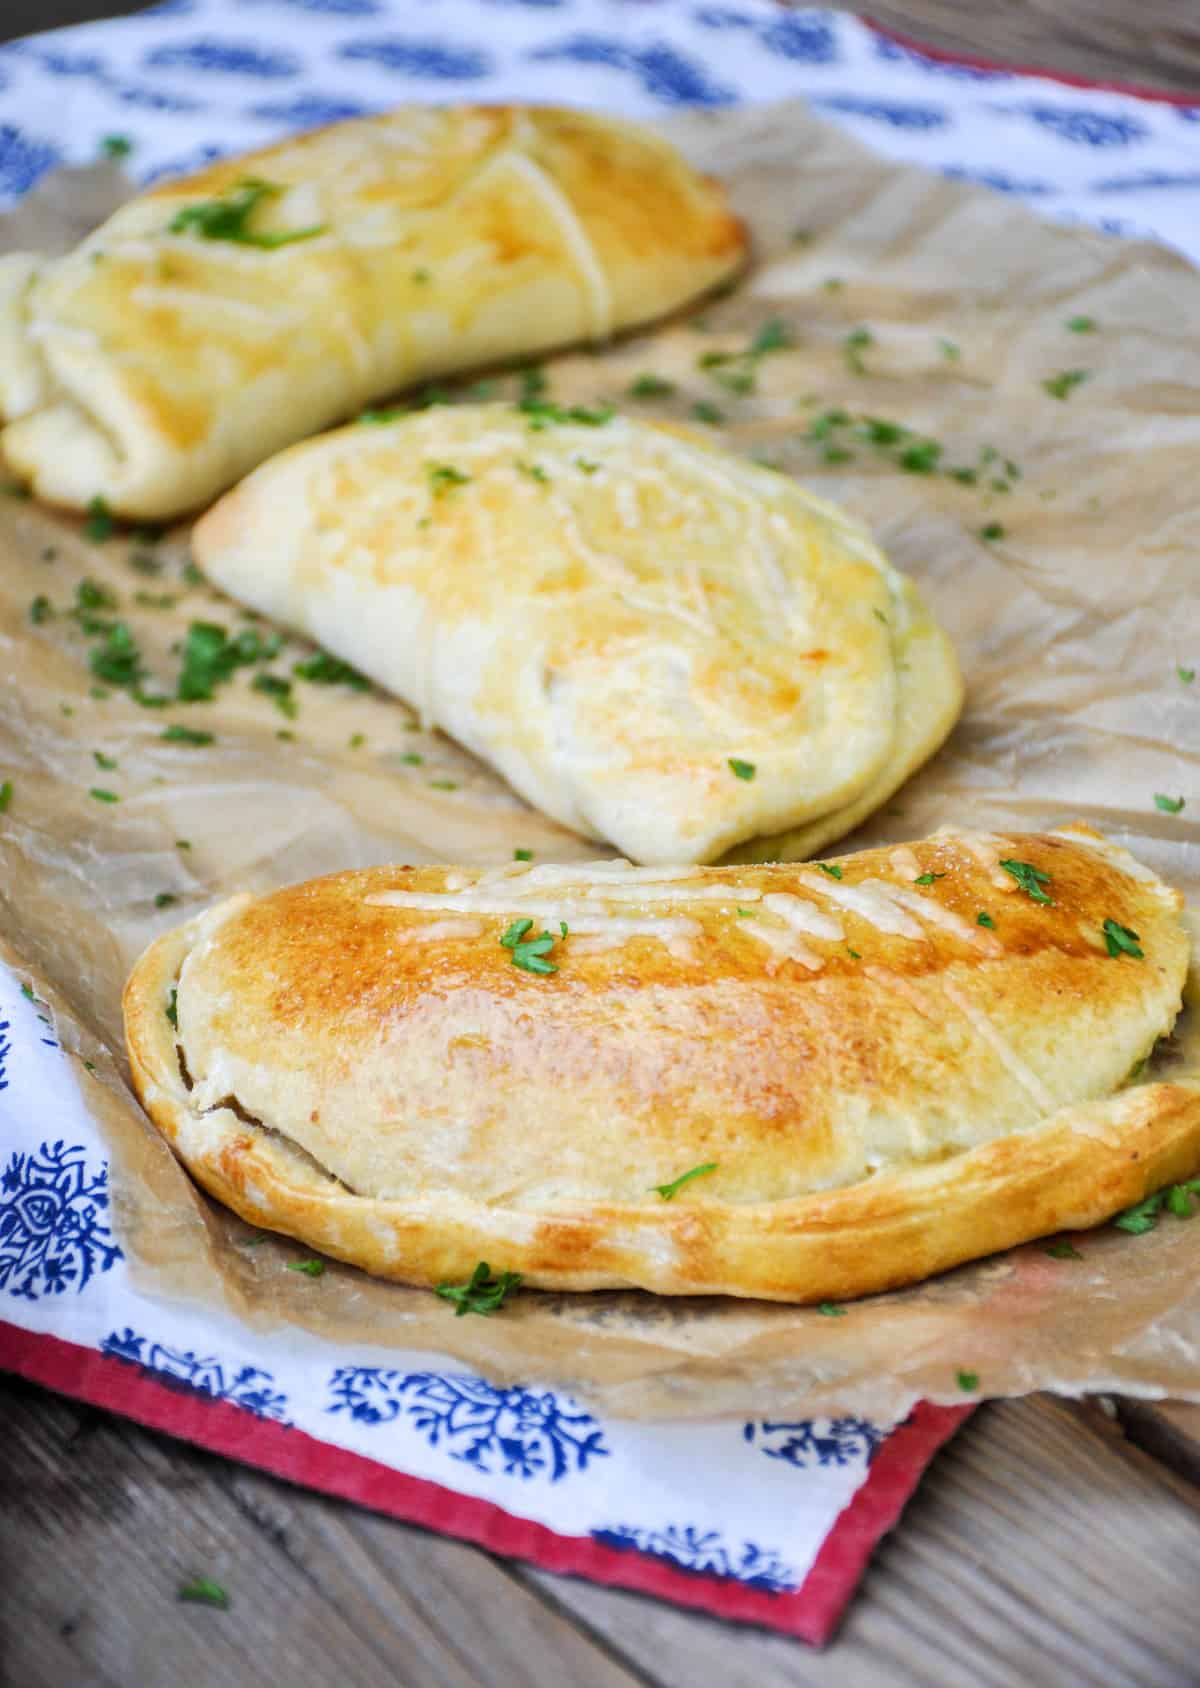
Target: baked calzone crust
{"points": [[872, 1069], [221, 316], [654, 641]]}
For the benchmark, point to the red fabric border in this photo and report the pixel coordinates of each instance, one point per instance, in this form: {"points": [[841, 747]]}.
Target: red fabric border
{"points": [[811, 1613], [943, 55]]}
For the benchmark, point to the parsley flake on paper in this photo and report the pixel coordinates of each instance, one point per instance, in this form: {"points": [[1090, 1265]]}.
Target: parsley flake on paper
{"points": [[1168, 805], [742, 770], [668, 1191], [1063, 1251], [103, 796], [203, 1591], [177, 734], [310, 1268], [325, 670], [831, 1310], [1062, 385], [99, 525], [482, 1293], [228, 217], [1120, 940], [651, 386], [1082, 324], [6, 795], [1143, 1216], [522, 855], [1186, 675], [1030, 879]]}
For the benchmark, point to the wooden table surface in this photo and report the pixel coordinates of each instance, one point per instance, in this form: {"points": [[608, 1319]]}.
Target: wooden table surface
{"points": [[1052, 1542]]}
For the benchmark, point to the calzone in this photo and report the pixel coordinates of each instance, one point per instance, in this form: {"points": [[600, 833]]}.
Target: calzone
{"points": [[795, 1082], [658, 643], [221, 316]]}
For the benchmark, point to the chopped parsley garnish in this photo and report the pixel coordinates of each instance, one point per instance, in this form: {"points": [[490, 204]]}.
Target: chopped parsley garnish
{"points": [[155, 600], [172, 1009], [117, 658], [279, 690], [830, 869], [204, 1592], [927, 878], [40, 610], [102, 796], [444, 477], [482, 1293], [853, 345], [739, 370], [529, 953], [210, 657], [376, 418], [1187, 675], [1143, 1216], [165, 899], [1062, 385], [853, 954], [228, 218], [1082, 324], [310, 1268], [831, 1310], [99, 525], [177, 734], [116, 146], [949, 350], [833, 284], [742, 770], [837, 454], [6, 795], [535, 472], [967, 1380], [1168, 805], [651, 387], [1063, 1251], [533, 382], [357, 740], [1030, 879], [412, 758], [183, 843], [822, 426], [421, 277], [921, 458], [325, 670], [983, 918], [667, 1191], [543, 412], [443, 785], [585, 465], [522, 855], [108, 763], [746, 913], [992, 530], [1119, 940], [703, 411]]}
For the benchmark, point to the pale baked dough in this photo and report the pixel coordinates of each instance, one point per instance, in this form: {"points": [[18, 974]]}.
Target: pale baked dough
{"points": [[885, 1086], [609, 613], [153, 368]]}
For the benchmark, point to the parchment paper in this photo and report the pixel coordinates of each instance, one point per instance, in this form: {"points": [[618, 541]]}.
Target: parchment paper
{"points": [[1073, 624]]}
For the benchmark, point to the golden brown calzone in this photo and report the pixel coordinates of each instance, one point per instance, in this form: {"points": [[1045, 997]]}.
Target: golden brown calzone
{"points": [[874, 1069], [221, 316]]}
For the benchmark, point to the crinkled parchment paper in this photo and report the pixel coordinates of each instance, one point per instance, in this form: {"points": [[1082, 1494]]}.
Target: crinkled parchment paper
{"points": [[1073, 615]]}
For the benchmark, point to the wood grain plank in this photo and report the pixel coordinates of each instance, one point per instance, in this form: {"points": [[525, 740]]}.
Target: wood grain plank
{"points": [[1040, 1549], [103, 1520], [1169, 1430], [1155, 43]]}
